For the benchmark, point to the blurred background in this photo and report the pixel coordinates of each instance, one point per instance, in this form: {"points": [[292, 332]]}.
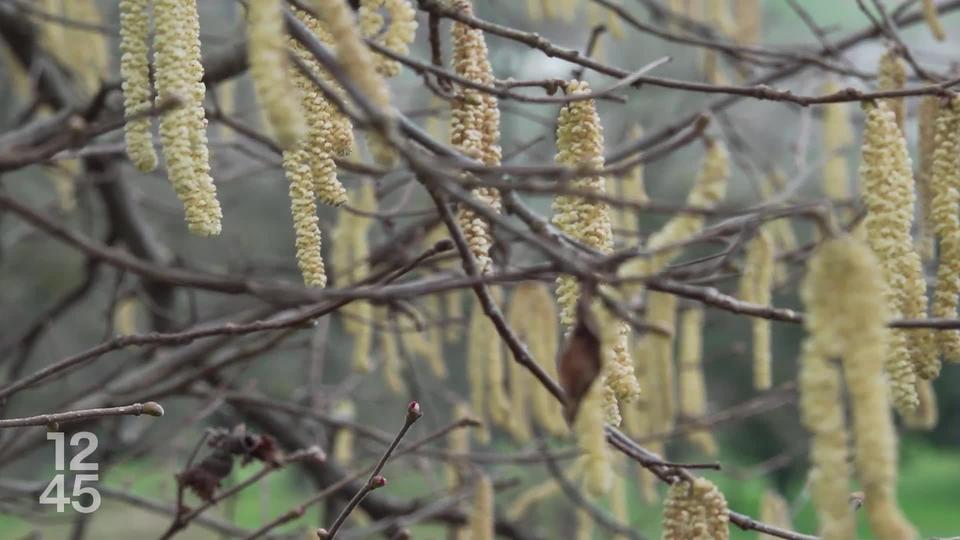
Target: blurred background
{"points": [[761, 448]]}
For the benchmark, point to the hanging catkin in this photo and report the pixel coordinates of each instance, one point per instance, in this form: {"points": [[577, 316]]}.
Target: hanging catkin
{"points": [[774, 510], [267, 53], [358, 62], [837, 137], [485, 370], [135, 71], [638, 417], [926, 144], [693, 390], [458, 444], [81, 47], [392, 365], [661, 311], [584, 523], [475, 129], [396, 37], [481, 518], [755, 286], [924, 417], [944, 185], [932, 18], [887, 182], [846, 321], [580, 144], [533, 316], [749, 17], [892, 75], [695, 510], [710, 188], [179, 75], [591, 438]]}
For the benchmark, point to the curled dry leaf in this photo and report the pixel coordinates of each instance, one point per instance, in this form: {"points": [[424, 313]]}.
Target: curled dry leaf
{"points": [[580, 359]]}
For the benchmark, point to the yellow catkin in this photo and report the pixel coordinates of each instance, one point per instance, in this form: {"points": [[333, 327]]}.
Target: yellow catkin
{"points": [[749, 19], [887, 182], [755, 286], [710, 189], [925, 416], [125, 316], [693, 390], [892, 75], [305, 223], [774, 510], [837, 137], [532, 496], [475, 129], [351, 249], [352, 53], [638, 417], [944, 185], [396, 37], [344, 411], [588, 428], [485, 361], [533, 316], [329, 132], [695, 510], [846, 321], [932, 18], [661, 311], [580, 144], [391, 363], [619, 505], [423, 346], [82, 49], [135, 71], [182, 135], [267, 53], [927, 113], [518, 422], [584, 524], [481, 521], [458, 444], [629, 188]]}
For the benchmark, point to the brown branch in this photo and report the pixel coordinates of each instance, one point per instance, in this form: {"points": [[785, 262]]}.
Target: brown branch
{"points": [[150, 408]]}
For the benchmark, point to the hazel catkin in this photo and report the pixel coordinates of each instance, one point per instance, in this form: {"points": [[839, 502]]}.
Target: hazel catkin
{"points": [[944, 186], [267, 53], [755, 286], [135, 72]]}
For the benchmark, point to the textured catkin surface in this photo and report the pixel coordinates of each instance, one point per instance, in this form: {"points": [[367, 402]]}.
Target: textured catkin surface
{"points": [[846, 323], [135, 71]]}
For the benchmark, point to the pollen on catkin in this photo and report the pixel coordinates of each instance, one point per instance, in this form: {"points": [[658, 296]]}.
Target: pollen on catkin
{"points": [[944, 185], [693, 390], [887, 182], [359, 63], [846, 321], [475, 130], [755, 286], [927, 113], [396, 37], [267, 53], [306, 226], [580, 144], [135, 72], [924, 417], [695, 510], [892, 75], [182, 130], [932, 19], [481, 518], [533, 316], [837, 136]]}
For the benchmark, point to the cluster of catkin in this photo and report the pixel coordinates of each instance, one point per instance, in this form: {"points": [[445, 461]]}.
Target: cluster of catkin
{"points": [[844, 294], [580, 144], [178, 79], [475, 129], [888, 192], [695, 510]]}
